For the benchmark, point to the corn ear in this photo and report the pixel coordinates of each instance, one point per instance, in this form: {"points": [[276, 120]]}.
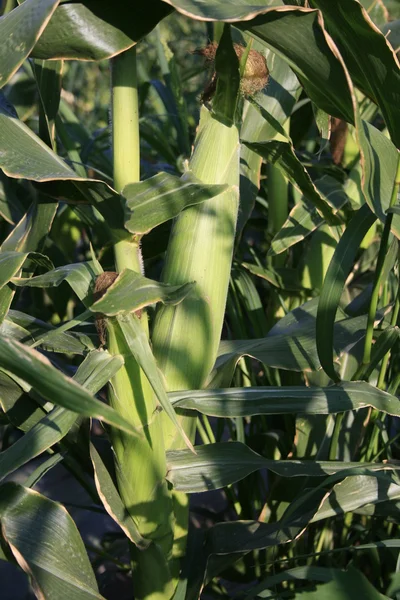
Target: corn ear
{"points": [[186, 337]]}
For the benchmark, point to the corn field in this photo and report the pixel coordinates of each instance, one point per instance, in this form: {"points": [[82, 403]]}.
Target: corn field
{"points": [[199, 299]]}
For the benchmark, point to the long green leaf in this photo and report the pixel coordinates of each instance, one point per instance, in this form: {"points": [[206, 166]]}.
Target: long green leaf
{"points": [[37, 371], [243, 402], [218, 465], [112, 501], [138, 343], [334, 282]]}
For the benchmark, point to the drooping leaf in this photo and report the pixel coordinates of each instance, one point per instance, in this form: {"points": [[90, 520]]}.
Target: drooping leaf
{"points": [[161, 198], [24, 155], [283, 156], [281, 278], [334, 282], [80, 277], [46, 544], [93, 373], [379, 162], [370, 60], [112, 500], [138, 343], [303, 219], [19, 31], [299, 37], [11, 262], [131, 292], [290, 347], [96, 29], [221, 464], [220, 10], [35, 332], [345, 496], [37, 371], [242, 402], [336, 584]]}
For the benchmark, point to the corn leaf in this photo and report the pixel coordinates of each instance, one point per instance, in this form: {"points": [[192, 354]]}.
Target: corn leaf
{"points": [[112, 501], [138, 343], [345, 496], [299, 37], [277, 100], [282, 155], [335, 278], [292, 348], [19, 31], [24, 155], [11, 262], [37, 371], [58, 565], [244, 402], [80, 277], [31, 331], [131, 291], [222, 10], [379, 168], [95, 29], [336, 583], [370, 60], [303, 219], [217, 465], [161, 198]]}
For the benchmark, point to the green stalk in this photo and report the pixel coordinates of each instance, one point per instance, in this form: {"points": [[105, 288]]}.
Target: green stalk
{"points": [[140, 462]]}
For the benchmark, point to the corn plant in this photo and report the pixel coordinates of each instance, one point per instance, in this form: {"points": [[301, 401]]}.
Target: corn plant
{"points": [[199, 292]]}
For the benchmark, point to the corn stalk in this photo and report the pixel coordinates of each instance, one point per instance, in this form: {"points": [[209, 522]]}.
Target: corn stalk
{"points": [[140, 462]]}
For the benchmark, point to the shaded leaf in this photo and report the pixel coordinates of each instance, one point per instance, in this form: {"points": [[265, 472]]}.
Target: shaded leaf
{"points": [[282, 155], [370, 60], [299, 37], [112, 501], [80, 277], [303, 219], [218, 465], [96, 29], [11, 262], [243, 402], [19, 31], [46, 544], [37, 371], [335, 278]]}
